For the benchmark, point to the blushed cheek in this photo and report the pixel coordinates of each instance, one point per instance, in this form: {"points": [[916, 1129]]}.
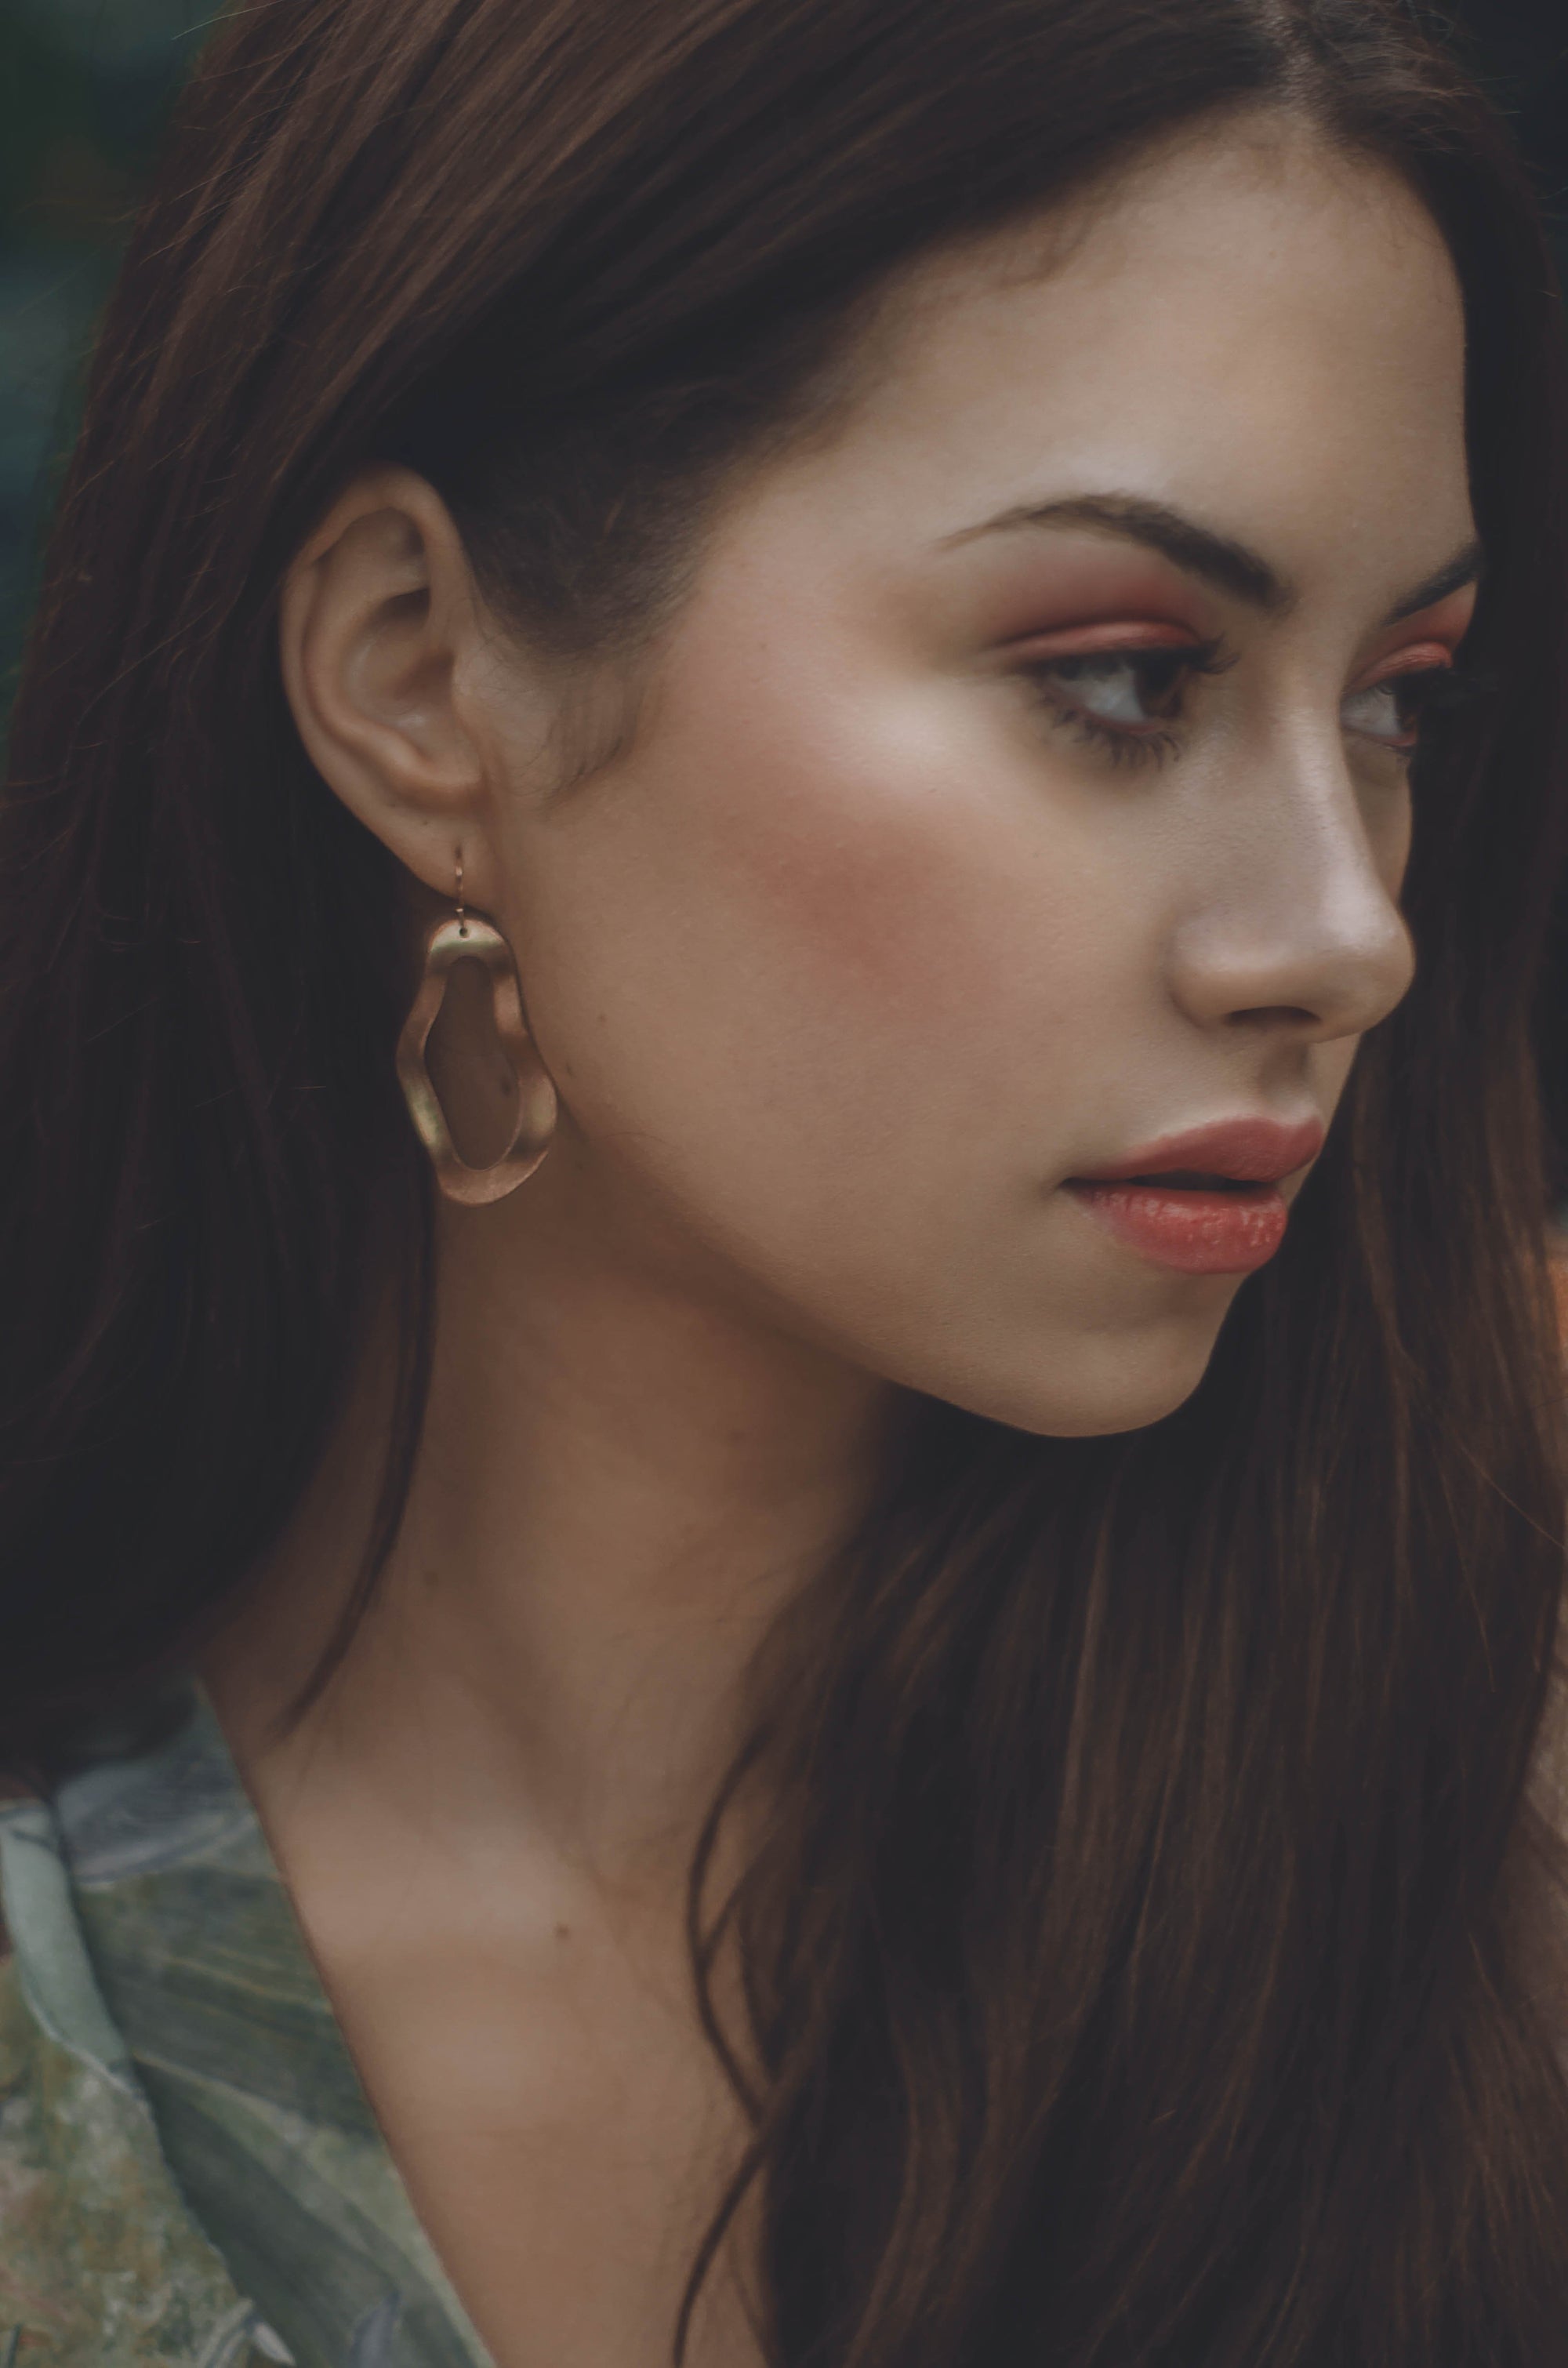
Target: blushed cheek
{"points": [[919, 947], [889, 872]]}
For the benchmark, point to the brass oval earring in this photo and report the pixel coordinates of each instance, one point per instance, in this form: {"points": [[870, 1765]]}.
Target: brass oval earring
{"points": [[466, 938]]}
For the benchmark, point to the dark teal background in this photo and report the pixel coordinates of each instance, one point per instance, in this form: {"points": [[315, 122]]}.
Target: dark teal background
{"points": [[84, 86]]}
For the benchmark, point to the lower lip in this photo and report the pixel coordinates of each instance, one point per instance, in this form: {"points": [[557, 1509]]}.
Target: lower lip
{"points": [[1195, 1232]]}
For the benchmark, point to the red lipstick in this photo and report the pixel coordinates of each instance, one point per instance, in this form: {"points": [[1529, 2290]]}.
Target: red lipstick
{"points": [[1204, 1202]]}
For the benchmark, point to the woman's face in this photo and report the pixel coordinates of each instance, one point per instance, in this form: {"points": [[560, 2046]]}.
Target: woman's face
{"points": [[1023, 784]]}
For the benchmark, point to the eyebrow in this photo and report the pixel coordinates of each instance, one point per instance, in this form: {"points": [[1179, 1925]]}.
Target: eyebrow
{"points": [[1230, 566], [1466, 566]]}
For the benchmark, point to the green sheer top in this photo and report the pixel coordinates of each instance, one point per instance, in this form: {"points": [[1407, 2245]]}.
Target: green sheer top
{"points": [[191, 2176]]}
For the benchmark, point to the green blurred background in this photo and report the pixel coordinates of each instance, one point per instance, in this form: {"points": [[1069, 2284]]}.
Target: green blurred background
{"points": [[85, 88]]}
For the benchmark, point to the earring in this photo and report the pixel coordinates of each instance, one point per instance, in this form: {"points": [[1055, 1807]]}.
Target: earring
{"points": [[466, 938]]}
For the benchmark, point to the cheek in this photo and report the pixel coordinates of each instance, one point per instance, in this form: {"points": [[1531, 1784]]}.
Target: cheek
{"points": [[829, 955], [863, 895], [831, 977], [886, 884]]}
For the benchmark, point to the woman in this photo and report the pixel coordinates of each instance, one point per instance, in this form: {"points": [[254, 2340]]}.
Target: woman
{"points": [[851, 1665]]}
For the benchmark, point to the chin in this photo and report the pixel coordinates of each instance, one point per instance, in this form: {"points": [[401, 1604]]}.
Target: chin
{"points": [[1093, 1386]]}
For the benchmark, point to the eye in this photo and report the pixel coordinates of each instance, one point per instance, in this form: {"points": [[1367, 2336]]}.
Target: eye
{"points": [[1427, 690], [1124, 699], [1130, 689], [1389, 712]]}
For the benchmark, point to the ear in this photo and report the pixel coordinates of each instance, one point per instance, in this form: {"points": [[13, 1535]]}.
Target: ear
{"points": [[384, 647]]}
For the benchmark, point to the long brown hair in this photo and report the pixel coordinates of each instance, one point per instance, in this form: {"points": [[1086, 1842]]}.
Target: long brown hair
{"points": [[1141, 1960]]}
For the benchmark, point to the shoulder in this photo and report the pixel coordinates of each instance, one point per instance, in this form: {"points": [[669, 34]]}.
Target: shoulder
{"points": [[41, 2299], [100, 2265]]}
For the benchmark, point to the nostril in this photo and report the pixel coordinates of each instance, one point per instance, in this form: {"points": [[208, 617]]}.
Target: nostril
{"points": [[1276, 1015]]}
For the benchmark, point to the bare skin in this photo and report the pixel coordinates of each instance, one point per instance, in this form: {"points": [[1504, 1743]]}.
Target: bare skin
{"points": [[853, 950]]}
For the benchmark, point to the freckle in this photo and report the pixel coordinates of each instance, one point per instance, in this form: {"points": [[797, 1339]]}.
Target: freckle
{"points": [[564, 1933]]}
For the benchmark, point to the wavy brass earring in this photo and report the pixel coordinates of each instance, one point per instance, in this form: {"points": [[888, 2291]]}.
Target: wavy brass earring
{"points": [[467, 938]]}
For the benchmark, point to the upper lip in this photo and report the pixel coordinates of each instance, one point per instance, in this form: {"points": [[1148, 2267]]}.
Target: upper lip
{"points": [[1247, 1150]]}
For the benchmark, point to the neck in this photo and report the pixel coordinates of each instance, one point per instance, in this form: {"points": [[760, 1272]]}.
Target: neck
{"points": [[623, 1479]]}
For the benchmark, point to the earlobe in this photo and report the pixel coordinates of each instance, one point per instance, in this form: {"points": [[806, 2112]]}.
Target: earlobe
{"points": [[372, 622]]}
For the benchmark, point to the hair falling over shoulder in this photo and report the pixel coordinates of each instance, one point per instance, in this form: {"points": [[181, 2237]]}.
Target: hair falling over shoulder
{"points": [[1144, 1962]]}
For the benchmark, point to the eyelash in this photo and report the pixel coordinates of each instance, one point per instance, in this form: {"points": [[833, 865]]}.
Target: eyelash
{"points": [[1435, 693], [1124, 746]]}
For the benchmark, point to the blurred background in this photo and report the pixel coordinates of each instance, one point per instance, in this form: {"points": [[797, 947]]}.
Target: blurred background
{"points": [[85, 88]]}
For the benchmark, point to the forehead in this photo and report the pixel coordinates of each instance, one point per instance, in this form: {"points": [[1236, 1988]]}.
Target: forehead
{"points": [[1246, 325]]}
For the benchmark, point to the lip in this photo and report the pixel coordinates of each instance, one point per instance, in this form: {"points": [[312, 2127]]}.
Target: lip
{"points": [[1249, 1150], [1230, 1227]]}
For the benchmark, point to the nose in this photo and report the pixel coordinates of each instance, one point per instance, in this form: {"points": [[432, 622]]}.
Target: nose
{"points": [[1293, 919]]}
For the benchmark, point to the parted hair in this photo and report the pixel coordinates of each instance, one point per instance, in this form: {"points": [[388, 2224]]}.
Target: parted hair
{"points": [[1146, 1957]]}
